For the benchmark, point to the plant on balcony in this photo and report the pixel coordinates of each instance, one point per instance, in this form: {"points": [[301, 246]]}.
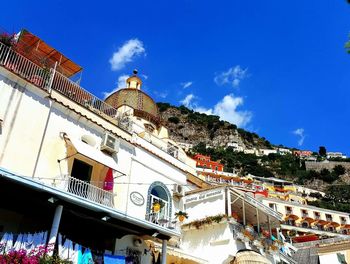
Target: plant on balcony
{"points": [[157, 205], [292, 233], [7, 39], [207, 221], [181, 215]]}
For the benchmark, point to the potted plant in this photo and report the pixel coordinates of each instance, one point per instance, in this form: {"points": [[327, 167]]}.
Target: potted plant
{"points": [[7, 39], [157, 205], [181, 215]]}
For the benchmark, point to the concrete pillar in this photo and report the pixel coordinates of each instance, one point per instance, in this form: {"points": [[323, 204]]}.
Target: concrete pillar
{"points": [[164, 251], [54, 228]]}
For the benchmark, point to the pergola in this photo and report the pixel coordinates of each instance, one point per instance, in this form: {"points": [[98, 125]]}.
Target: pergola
{"points": [[39, 52]]}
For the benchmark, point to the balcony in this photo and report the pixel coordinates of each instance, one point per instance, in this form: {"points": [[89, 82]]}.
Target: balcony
{"points": [[162, 221], [48, 79], [85, 190]]}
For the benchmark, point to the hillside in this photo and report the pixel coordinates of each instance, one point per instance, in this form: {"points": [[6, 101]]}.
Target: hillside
{"points": [[191, 127]]}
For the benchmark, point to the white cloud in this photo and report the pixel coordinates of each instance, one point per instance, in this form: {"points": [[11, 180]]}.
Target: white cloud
{"points": [[126, 53], [186, 84], [300, 133], [187, 101], [232, 76], [162, 94], [226, 109], [121, 83]]}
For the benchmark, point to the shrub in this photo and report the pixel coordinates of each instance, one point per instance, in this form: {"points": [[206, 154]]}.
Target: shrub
{"points": [[174, 119]]}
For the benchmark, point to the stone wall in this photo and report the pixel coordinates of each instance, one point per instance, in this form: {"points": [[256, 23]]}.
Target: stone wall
{"points": [[318, 166]]}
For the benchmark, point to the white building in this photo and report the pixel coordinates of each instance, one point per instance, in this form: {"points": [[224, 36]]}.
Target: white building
{"points": [[96, 167]]}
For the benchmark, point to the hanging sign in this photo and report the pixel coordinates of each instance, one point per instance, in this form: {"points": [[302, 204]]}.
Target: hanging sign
{"points": [[137, 198]]}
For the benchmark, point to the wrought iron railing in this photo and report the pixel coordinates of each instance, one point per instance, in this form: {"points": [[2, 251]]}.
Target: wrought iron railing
{"points": [[88, 191], [49, 79], [167, 222]]}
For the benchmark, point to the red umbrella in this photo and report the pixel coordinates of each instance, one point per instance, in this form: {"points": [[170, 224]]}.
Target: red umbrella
{"points": [[109, 181]]}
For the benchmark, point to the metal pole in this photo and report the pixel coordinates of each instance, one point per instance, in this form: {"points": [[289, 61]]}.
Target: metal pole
{"points": [[269, 225], [164, 252], [243, 208], [257, 217], [54, 229]]}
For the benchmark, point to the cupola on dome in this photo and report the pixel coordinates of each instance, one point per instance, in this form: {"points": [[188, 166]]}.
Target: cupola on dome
{"points": [[132, 96]]}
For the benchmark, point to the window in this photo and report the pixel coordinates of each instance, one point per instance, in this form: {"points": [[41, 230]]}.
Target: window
{"points": [[158, 193], [272, 206]]}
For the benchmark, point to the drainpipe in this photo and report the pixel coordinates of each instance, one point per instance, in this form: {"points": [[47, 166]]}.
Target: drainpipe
{"points": [[54, 229], [164, 252]]}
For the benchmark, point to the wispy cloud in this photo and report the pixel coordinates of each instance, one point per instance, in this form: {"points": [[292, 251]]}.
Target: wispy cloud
{"points": [[121, 83], [186, 84], [300, 133], [162, 94], [233, 76], [126, 53], [187, 101], [226, 109]]}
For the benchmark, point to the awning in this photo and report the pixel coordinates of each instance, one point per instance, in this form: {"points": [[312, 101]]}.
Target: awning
{"points": [[94, 154], [175, 254], [334, 224], [291, 216], [308, 219], [322, 222], [345, 226], [36, 50]]}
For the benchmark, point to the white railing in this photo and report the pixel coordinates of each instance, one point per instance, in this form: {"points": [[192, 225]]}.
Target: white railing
{"points": [[166, 222], [48, 78], [260, 205], [88, 191], [23, 67]]}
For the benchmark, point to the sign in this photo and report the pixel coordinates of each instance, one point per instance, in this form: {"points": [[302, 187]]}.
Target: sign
{"points": [[203, 196], [137, 198]]}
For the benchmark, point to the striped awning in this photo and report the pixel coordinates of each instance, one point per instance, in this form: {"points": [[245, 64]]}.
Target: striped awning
{"points": [[308, 219], [334, 224], [291, 216]]}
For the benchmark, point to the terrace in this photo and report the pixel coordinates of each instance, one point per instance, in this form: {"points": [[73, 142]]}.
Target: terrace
{"points": [[47, 69], [39, 64]]}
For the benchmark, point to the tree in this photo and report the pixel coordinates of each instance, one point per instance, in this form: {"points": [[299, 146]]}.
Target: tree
{"points": [[339, 170], [322, 151]]}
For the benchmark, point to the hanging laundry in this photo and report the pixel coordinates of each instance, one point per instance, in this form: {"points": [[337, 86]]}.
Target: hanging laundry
{"points": [[86, 257], [29, 244], [74, 256], [7, 240], [110, 259], [19, 241]]}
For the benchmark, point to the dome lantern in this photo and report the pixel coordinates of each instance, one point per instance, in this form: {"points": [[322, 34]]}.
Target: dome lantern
{"points": [[134, 82]]}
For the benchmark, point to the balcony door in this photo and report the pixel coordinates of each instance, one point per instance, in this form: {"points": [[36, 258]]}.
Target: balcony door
{"points": [[159, 194], [81, 173], [81, 170]]}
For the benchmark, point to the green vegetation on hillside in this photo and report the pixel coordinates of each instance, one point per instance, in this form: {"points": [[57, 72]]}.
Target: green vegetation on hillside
{"points": [[273, 165], [212, 123], [337, 198]]}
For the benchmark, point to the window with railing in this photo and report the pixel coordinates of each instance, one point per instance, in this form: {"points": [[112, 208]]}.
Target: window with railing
{"points": [[317, 215], [329, 217], [289, 210]]}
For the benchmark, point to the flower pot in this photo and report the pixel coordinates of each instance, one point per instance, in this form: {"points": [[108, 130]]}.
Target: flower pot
{"points": [[156, 207], [181, 218]]}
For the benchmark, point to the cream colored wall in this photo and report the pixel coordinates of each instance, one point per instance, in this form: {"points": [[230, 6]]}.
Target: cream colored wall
{"points": [[281, 207], [128, 241], [214, 243], [202, 208], [146, 169]]}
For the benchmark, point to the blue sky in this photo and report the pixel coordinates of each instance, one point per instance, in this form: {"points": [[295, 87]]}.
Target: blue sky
{"points": [[277, 68]]}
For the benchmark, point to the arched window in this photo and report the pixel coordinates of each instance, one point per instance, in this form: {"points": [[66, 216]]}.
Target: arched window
{"points": [[158, 193]]}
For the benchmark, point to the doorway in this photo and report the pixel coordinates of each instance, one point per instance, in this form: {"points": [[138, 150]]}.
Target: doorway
{"points": [[81, 175]]}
